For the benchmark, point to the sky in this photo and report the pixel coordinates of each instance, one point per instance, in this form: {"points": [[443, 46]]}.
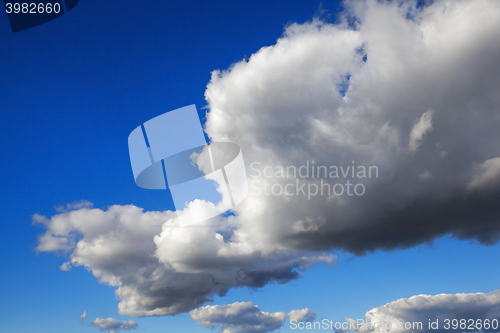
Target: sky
{"points": [[411, 88]]}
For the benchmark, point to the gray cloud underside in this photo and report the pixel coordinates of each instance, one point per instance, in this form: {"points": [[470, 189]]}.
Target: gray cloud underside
{"points": [[424, 108], [424, 308], [113, 325], [244, 317]]}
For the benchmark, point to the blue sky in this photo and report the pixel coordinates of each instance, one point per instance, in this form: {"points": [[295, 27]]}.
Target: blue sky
{"points": [[72, 91]]}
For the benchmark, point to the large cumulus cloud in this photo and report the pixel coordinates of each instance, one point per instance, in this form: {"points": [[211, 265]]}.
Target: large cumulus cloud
{"points": [[404, 315], [414, 91], [422, 103], [165, 272]]}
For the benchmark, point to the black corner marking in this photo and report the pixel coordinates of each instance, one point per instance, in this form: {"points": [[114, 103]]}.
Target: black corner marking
{"points": [[26, 14], [70, 4]]}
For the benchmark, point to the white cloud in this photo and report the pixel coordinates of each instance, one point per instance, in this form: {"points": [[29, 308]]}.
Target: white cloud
{"points": [[424, 106], [283, 106], [302, 315], [170, 270], [421, 128], [488, 175], [244, 317], [65, 266], [113, 325], [83, 315], [425, 308], [74, 206]]}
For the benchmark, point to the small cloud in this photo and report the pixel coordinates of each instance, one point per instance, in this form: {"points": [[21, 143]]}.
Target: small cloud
{"points": [[487, 176], [425, 175], [39, 219], [112, 325], [82, 317], [75, 205], [302, 315], [66, 266], [420, 129], [244, 317]]}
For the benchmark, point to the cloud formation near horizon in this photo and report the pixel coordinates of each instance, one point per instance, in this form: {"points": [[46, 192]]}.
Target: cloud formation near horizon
{"points": [[426, 308], [244, 317], [412, 91], [175, 271], [112, 325]]}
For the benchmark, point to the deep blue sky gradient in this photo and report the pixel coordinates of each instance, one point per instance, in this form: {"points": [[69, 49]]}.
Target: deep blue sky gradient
{"points": [[71, 92]]}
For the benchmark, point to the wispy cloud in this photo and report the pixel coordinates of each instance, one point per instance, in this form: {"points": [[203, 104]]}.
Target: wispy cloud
{"points": [[82, 317], [112, 325], [421, 128]]}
